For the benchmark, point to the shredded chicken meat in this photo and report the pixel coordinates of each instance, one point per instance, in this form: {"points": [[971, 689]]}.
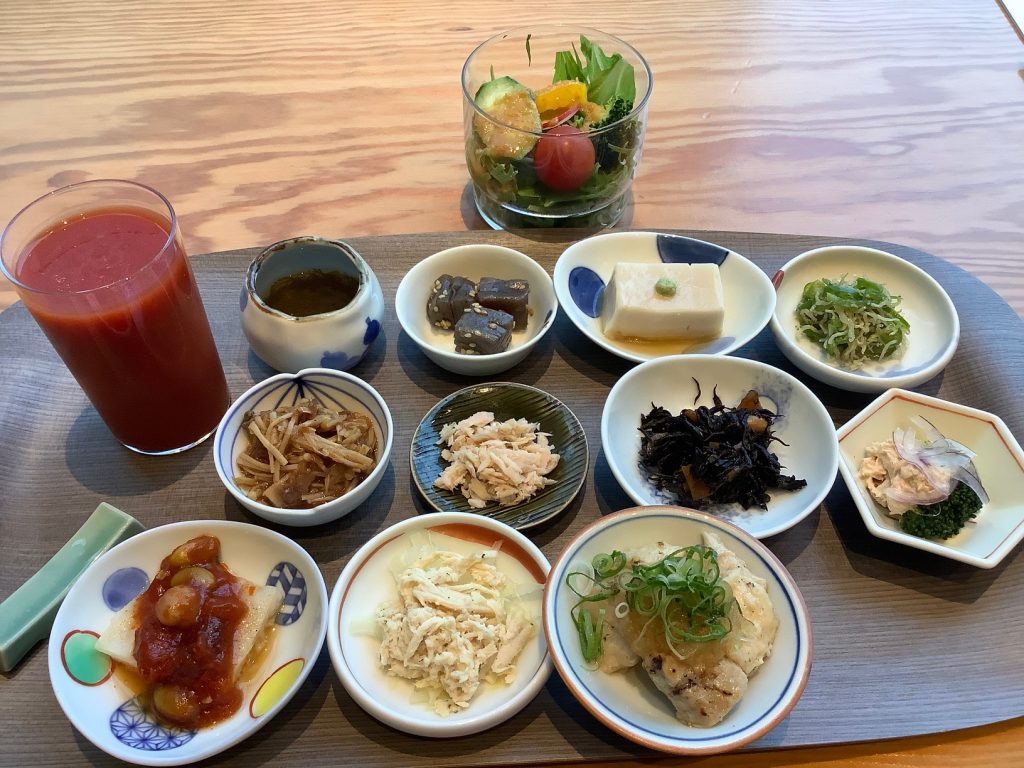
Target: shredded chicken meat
{"points": [[452, 627], [495, 461]]}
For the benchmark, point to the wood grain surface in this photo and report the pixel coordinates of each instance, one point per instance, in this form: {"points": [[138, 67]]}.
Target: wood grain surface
{"points": [[884, 615], [261, 120]]}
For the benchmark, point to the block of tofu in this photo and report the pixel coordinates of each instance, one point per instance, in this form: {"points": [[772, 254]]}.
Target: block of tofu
{"points": [[118, 641], [634, 309]]}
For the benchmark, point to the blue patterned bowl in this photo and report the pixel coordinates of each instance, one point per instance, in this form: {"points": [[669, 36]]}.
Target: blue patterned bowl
{"points": [[627, 702], [332, 389], [337, 339], [584, 269], [100, 702]]}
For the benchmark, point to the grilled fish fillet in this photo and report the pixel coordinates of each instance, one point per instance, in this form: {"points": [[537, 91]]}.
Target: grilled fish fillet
{"points": [[710, 680]]}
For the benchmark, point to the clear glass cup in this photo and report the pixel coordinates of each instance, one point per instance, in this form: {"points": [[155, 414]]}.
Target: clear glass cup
{"points": [[509, 173], [101, 267]]}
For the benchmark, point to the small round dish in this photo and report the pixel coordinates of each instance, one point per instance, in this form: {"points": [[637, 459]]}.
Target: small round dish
{"points": [[806, 447], [332, 389], [336, 339], [934, 324], [627, 702], [474, 262], [999, 526], [369, 581], [584, 269], [103, 707], [506, 400]]}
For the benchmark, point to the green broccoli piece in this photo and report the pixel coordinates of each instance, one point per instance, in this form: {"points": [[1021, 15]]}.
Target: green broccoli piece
{"points": [[944, 519], [612, 145]]}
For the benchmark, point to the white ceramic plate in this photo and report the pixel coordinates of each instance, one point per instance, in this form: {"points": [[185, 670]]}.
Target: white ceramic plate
{"points": [[584, 269], [368, 581], [627, 702], [934, 324], [998, 528], [808, 449], [107, 712], [474, 262]]}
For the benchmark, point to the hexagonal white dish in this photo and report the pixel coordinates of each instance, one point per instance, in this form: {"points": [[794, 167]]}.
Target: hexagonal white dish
{"points": [[627, 702], [106, 710], [584, 269], [999, 527], [934, 324], [808, 449], [369, 581]]}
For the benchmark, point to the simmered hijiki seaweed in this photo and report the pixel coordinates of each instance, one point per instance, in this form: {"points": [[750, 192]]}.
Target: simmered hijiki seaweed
{"points": [[714, 455]]}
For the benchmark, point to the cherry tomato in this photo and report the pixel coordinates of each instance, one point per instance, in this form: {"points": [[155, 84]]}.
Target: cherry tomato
{"points": [[564, 159]]}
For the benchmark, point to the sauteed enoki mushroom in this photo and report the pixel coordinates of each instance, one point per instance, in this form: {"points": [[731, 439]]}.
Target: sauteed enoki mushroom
{"points": [[304, 455]]}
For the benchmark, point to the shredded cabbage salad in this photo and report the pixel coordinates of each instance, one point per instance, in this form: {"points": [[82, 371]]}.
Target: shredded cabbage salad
{"points": [[854, 321]]}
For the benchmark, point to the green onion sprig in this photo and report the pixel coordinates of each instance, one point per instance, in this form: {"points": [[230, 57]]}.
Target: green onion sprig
{"points": [[683, 590]]}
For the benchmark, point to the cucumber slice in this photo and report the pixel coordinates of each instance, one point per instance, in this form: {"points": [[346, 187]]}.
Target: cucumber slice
{"points": [[511, 121]]}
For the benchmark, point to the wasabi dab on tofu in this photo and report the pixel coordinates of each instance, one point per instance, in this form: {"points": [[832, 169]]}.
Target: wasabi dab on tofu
{"points": [[571, 142]]}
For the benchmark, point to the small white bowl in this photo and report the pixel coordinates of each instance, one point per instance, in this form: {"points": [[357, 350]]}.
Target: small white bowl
{"points": [[337, 339], [808, 447], [999, 526], [584, 268], [934, 324], [368, 581], [627, 702], [105, 710], [333, 389], [474, 262]]}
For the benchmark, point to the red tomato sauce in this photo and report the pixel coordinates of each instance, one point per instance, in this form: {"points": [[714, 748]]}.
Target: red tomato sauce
{"points": [[198, 658], [126, 316]]}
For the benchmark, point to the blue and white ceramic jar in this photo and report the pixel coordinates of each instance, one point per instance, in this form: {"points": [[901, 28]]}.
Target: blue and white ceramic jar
{"points": [[336, 339]]}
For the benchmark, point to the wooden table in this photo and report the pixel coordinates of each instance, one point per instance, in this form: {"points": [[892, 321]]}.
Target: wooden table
{"points": [[263, 120]]}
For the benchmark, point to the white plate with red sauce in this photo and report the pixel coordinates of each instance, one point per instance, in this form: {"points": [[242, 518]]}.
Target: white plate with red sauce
{"points": [[102, 701], [368, 581]]}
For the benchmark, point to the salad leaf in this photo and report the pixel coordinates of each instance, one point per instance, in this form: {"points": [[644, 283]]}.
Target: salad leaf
{"points": [[597, 60], [529, 53], [616, 82], [568, 66], [607, 77]]}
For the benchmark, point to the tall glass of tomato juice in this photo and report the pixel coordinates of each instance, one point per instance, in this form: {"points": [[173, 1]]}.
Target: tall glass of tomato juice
{"points": [[101, 267]]}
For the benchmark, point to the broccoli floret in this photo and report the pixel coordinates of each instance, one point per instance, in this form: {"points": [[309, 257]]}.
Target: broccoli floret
{"points": [[619, 109], [611, 145], [943, 519]]}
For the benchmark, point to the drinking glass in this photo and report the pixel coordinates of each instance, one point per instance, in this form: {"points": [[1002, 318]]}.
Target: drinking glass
{"points": [[101, 267], [505, 161]]}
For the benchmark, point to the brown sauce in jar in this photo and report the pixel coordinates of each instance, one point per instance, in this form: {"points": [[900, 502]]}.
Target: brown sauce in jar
{"points": [[312, 292]]}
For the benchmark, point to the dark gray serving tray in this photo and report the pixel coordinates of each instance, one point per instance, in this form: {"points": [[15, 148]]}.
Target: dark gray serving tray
{"points": [[905, 642]]}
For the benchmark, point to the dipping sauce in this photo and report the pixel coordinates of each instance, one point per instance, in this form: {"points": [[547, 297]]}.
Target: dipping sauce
{"points": [[312, 292], [120, 305]]}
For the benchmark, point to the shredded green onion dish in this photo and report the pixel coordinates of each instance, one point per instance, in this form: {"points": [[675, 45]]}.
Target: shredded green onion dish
{"points": [[854, 321], [683, 591]]}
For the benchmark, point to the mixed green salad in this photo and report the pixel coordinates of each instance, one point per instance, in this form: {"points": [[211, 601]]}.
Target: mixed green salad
{"points": [[566, 148]]}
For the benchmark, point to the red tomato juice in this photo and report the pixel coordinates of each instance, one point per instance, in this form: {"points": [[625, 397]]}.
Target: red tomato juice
{"points": [[121, 307]]}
